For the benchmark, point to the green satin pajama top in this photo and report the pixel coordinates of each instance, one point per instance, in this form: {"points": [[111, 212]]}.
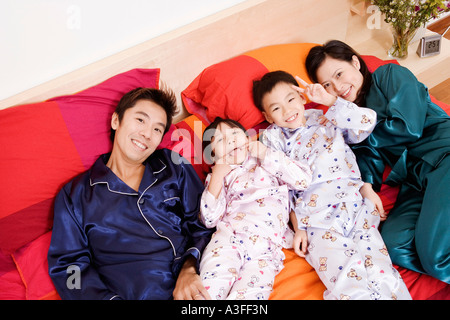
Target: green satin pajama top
{"points": [[410, 129]]}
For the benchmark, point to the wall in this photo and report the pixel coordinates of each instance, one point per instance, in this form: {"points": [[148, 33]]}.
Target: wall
{"points": [[44, 39]]}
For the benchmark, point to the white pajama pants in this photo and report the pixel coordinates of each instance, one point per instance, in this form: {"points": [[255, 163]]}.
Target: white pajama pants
{"points": [[356, 266], [240, 266]]}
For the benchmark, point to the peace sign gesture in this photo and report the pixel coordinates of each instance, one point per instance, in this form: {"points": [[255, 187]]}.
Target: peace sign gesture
{"points": [[315, 92]]}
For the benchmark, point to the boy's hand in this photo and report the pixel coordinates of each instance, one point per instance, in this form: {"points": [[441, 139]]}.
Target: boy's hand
{"points": [[300, 242], [257, 149], [315, 92], [368, 192]]}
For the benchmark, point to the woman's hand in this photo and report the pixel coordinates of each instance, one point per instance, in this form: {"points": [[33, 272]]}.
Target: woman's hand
{"points": [[368, 192], [315, 92]]}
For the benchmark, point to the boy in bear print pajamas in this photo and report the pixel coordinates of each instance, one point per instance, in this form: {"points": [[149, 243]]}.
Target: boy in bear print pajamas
{"points": [[247, 199], [337, 227]]}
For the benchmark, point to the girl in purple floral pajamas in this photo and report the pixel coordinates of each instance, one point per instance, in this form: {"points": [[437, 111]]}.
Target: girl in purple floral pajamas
{"points": [[247, 200]]}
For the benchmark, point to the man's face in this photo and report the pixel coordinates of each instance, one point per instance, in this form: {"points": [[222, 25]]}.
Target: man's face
{"points": [[140, 131]]}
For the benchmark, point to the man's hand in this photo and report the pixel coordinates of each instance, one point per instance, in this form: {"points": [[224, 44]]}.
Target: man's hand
{"points": [[189, 286]]}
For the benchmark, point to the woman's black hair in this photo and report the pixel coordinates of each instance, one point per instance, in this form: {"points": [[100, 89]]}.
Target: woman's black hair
{"points": [[209, 132], [341, 51]]}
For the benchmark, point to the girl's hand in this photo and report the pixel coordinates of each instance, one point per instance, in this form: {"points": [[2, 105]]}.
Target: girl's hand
{"points": [[257, 149], [220, 170], [315, 92], [300, 243]]}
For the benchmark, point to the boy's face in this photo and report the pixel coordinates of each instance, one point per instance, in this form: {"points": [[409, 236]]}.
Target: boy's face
{"points": [[140, 131], [284, 106]]}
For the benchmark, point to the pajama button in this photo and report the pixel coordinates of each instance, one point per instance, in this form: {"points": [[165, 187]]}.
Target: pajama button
{"points": [[160, 231], [141, 201]]}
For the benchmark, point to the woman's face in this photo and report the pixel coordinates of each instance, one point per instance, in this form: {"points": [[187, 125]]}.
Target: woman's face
{"points": [[341, 78]]}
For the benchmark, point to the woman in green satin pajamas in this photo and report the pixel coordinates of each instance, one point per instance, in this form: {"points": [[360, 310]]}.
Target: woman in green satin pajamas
{"points": [[412, 136]]}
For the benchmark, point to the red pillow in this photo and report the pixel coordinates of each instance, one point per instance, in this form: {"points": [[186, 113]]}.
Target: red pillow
{"points": [[225, 89], [46, 144]]}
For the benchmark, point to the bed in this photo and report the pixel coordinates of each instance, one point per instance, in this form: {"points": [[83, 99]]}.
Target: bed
{"points": [[51, 141]]}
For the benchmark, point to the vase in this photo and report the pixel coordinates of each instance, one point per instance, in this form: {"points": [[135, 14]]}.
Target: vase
{"points": [[402, 38]]}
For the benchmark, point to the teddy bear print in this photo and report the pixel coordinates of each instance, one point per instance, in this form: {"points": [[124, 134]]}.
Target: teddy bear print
{"points": [[328, 147], [329, 236], [280, 218], [221, 294], [384, 250], [239, 216], [341, 195], [313, 200], [335, 169], [366, 119], [305, 221], [253, 280], [368, 262], [323, 263], [262, 263], [312, 140], [261, 202], [366, 225], [353, 274], [349, 164], [253, 238], [233, 272], [302, 183], [215, 251], [352, 184], [241, 294]]}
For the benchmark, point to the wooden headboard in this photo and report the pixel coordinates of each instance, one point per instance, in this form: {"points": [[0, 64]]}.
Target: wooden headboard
{"points": [[183, 53]]}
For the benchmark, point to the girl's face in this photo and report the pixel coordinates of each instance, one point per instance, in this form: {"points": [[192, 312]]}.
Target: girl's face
{"points": [[229, 145], [341, 78]]}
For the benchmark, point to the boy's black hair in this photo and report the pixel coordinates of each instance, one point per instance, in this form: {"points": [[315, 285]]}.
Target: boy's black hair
{"points": [[209, 132], [267, 83]]}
